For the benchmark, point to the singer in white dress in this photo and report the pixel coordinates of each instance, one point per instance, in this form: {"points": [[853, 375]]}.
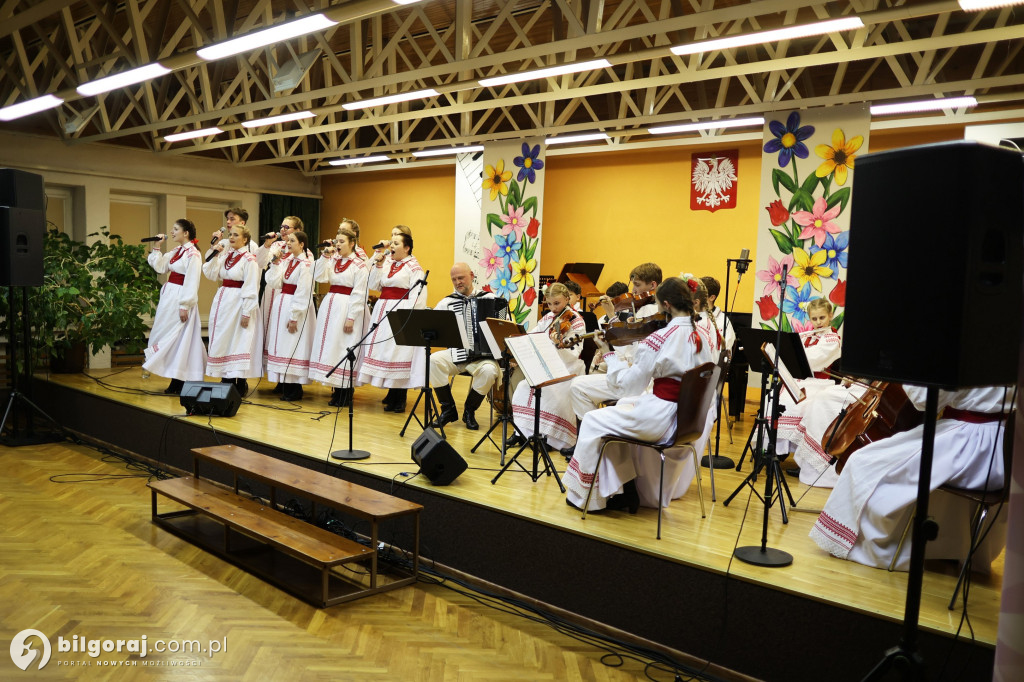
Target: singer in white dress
{"points": [[874, 497], [341, 321], [275, 245], [235, 327], [289, 339], [628, 476], [399, 277], [176, 347]]}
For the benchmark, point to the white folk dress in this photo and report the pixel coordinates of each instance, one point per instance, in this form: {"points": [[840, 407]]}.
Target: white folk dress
{"points": [[665, 354], [875, 495], [385, 363], [264, 255], [822, 349], [557, 419], [345, 302], [236, 352], [176, 349], [287, 353]]}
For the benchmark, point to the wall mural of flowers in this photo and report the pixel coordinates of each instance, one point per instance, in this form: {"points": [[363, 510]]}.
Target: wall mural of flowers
{"points": [[512, 217], [805, 226]]}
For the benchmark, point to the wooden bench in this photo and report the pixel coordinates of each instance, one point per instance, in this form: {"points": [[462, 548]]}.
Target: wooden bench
{"points": [[297, 556]]}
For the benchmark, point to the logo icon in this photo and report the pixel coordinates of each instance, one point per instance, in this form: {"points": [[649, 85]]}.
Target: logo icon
{"points": [[23, 654]]}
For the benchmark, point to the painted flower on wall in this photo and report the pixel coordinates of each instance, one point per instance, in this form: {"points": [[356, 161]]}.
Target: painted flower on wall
{"points": [[835, 251], [789, 139], [495, 178], [528, 163], [838, 294], [809, 268], [522, 272], [533, 229], [839, 157], [492, 260], [766, 306], [777, 213], [773, 275], [818, 221], [796, 302], [502, 285], [514, 219]]}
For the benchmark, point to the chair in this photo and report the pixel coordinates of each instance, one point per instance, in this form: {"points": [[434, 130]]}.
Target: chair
{"points": [[984, 499], [724, 360], [695, 395]]}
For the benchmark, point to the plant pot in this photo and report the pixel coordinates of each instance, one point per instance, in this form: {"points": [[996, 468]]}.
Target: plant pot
{"points": [[72, 361]]}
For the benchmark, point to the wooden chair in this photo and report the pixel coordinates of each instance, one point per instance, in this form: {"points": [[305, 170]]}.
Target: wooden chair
{"points": [[698, 389], [984, 499]]}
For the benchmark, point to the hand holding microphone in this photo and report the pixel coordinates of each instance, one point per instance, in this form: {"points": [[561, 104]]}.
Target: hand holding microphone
{"points": [[269, 236], [213, 252], [217, 235]]}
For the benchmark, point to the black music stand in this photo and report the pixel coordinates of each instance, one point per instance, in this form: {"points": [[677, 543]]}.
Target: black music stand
{"points": [[584, 274], [536, 443], [500, 330], [424, 329]]}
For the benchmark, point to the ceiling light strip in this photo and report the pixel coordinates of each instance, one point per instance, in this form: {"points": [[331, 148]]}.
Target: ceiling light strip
{"points": [[772, 36], [363, 159], [707, 125], [550, 72], [923, 105], [448, 151], [178, 137], [29, 107], [586, 137], [283, 118], [390, 99], [268, 36]]}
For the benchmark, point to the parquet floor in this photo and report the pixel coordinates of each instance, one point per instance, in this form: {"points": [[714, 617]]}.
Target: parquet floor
{"points": [[687, 538], [80, 557]]}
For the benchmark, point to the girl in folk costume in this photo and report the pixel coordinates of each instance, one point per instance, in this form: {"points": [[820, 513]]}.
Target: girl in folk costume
{"points": [[176, 347], [823, 346], [557, 420], [348, 223], [290, 332], [342, 317], [875, 495], [385, 363], [626, 478], [707, 326], [274, 246], [235, 326]]}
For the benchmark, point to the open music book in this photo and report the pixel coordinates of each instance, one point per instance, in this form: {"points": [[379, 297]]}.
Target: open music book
{"points": [[495, 331], [788, 381], [538, 358]]}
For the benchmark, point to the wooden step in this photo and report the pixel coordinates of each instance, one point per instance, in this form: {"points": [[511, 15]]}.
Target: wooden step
{"points": [[291, 535]]}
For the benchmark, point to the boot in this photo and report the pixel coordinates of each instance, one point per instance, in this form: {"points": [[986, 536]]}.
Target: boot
{"points": [[389, 399], [447, 412], [345, 398], [174, 388], [628, 500], [473, 401], [398, 403], [243, 387], [335, 398], [279, 388]]}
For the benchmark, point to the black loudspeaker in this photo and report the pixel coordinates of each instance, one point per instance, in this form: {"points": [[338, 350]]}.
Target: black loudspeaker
{"points": [[437, 460], [208, 397], [936, 245], [22, 189], [21, 246]]}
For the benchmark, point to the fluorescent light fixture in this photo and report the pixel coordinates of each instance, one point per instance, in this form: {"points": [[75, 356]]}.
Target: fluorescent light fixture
{"points": [[391, 99], [405, 2], [588, 137], [707, 125], [268, 36], [971, 5], [362, 159], [177, 137], [923, 105], [775, 35], [120, 80], [448, 151], [544, 73], [283, 118], [32, 106]]}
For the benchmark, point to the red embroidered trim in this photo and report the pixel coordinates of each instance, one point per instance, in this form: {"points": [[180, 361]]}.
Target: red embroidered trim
{"points": [[395, 267], [232, 260], [291, 267], [178, 253], [343, 263]]}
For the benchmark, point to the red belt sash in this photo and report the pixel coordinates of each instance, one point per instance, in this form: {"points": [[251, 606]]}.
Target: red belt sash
{"points": [[338, 289], [288, 289], [972, 417], [176, 278], [667, 389], [389, 293], [232, 283]]}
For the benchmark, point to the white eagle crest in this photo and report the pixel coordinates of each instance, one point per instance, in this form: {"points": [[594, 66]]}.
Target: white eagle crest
{"points": [[712, 179]]}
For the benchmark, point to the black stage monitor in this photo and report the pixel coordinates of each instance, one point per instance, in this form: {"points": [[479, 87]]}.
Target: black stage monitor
{"points": [[437, 459], [209, 397]]}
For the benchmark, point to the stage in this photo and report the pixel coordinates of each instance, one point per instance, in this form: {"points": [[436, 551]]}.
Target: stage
{"points": [[819, 618]]}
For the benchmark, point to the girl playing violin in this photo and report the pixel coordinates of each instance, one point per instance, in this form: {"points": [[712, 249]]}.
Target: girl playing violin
{"points": [[624, 480], [557, 421], [802, 425]]}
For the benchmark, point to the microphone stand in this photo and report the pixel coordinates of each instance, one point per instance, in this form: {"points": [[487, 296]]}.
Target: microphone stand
{"points": [[763, 555], [350, 357]]}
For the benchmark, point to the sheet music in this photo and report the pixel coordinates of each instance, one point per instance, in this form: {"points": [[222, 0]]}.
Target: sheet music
{"points": [[504, 329], [538, 358], [792, 387]]}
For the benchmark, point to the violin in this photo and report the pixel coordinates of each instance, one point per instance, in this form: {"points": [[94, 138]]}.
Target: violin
{"points": [[561, 326], [883, 411], [626, 301], [623, 333]]}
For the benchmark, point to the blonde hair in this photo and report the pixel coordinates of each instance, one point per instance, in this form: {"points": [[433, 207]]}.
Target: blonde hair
{"points": [[557, 289], [299, 225], [350, 233], [821, 303], [404, 229], [352, 224]]}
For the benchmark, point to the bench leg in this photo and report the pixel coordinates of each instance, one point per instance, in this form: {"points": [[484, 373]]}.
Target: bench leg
{"points": [[326, 580], [373, 558], [416, 549]]}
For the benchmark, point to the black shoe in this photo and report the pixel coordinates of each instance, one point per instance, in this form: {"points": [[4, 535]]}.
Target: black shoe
{"points": [[292, 393], [589, 513], [470, 420], [515, 440], [279, 388], [346, 397], [397, 402], [568, 452], [628, 500], [335, 398], [473, 401], [174, 388], [447, 415], [243, 387], [793, 471]]}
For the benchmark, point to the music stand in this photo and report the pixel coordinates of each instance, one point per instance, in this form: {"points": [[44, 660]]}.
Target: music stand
{"points": [[584, 274], [422, 328], [495, 331]]}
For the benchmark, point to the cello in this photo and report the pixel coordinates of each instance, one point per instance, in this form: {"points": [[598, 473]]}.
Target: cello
{"points": [[883, 411]]}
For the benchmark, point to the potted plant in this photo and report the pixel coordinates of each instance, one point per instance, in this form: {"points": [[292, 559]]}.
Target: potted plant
{"points": [[93, 295]]}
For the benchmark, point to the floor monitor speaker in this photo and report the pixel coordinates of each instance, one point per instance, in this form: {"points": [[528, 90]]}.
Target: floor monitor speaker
{"points": [[209, 397], [933, 295], [436, 458], [21, 246]]}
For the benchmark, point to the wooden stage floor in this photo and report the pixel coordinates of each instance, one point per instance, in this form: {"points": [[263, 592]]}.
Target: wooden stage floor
{"points": [[312, 429]]}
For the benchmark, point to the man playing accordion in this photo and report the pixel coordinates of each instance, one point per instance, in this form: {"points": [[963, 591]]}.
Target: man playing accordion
{"points": [[472, 308]]}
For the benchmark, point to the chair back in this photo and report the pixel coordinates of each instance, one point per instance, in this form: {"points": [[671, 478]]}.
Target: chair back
{"points": [[698, 389], [724, 362]]}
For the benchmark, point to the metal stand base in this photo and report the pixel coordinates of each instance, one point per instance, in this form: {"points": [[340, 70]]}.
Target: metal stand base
{"points": [[767, 556], [350, 454], [721, 462]]}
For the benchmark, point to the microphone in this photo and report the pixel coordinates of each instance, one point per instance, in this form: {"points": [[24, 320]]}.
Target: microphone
{"points": [[269, 235], [216, 238], [211, 256], [325, 244], [150, 239], [742, 263], [381, 245], [423, 281]]}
